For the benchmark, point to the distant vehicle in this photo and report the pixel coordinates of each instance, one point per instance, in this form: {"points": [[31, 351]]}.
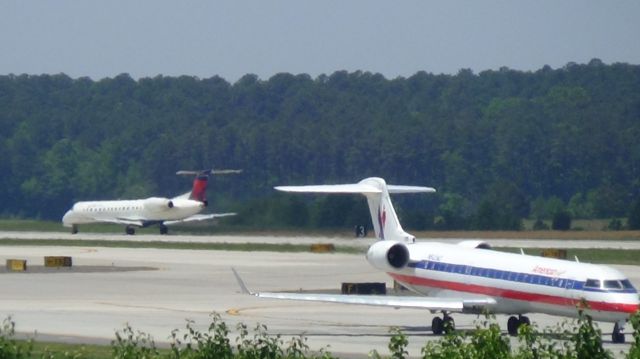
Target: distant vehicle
{"points": [[469, 277], [150, 211]]}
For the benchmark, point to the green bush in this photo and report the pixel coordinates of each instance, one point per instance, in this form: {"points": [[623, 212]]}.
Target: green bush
{"points": [[580, 338], [133, 345], [9, 347]]}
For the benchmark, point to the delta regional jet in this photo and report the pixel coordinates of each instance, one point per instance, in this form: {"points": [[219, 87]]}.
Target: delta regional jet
{"points": [[150, 211], [469, 277]]}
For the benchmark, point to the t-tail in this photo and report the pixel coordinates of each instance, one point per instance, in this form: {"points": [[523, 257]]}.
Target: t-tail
{"points": [[385, 221], [199, 188]]}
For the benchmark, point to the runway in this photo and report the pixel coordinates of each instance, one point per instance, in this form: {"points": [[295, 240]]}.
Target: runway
{"points": [[171, 286], [351, 242]]}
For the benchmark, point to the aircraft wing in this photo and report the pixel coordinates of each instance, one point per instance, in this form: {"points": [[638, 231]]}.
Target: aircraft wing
{"points": [[429, 303], [199, 217], [125, 221]]}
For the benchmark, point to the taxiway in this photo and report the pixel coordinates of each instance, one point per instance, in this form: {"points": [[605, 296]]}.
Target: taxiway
{"points": [[168, 287]]}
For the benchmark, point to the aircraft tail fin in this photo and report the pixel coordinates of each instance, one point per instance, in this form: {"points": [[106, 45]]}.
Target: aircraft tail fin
{"points": [[199, 188], [385, 221]]}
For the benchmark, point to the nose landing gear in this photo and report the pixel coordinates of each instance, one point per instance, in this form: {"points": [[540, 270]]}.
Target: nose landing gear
{"points": [[618, 336]]}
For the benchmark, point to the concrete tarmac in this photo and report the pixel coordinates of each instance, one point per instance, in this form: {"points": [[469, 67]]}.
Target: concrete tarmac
{"points": [[352, 242], [172, 286]]}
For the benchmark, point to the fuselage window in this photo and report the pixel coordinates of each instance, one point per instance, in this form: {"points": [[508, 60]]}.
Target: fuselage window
{"points": [[592, 283]]}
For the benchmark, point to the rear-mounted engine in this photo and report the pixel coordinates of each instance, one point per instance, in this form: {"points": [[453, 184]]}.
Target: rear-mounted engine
{"points": [[156, 204], [388, 255]]}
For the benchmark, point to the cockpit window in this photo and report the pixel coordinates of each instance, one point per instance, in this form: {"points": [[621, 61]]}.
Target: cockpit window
{"points": [[612, 284], [626, 284], [592, 283]]}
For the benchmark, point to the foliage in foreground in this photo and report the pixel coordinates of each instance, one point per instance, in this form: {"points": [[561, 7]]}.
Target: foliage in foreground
{"points": [[578, 339]]}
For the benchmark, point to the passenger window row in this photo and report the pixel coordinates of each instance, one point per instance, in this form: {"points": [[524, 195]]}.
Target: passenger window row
{"points": [[525, 278]]}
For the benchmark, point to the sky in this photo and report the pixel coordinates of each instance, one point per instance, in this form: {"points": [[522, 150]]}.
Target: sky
{"points": [[146, 38]]}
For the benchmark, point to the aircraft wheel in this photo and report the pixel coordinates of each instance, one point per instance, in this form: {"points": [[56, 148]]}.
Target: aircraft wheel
{"points": [[524, 320], [74, 229], [617, 336], [164, 229], [512, 326], [449, 324], [130, 230], [437, 325]]}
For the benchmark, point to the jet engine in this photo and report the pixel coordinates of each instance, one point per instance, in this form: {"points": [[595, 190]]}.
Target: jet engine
{"points": [[156, 204], [388, 255], [478, 244]]}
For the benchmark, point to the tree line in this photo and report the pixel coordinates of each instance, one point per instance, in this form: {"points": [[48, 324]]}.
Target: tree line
{"points": [[498, 145]]}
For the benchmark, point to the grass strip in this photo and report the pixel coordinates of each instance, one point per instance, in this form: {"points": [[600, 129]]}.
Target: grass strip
{"points": [[589, 255]]}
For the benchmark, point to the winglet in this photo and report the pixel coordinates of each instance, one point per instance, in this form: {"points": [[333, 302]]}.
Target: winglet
{"points": [[243, 287]]}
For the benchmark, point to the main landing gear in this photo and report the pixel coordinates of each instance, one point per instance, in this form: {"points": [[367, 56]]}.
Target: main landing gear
{"points": [[514, 323], [617, 336], [74, 229], [446, 324], [130, 230], [164, 229]]}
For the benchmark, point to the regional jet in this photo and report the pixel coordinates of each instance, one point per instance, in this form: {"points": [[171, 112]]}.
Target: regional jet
{"points": [[470, 277], [150, 211]]}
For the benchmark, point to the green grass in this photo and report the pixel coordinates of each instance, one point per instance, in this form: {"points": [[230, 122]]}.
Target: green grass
{"points": [[59, 349], [589, 229], [590, 255]]}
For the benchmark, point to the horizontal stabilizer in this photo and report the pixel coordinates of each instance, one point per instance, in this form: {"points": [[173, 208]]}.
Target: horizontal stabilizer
{"points": [[208, 172], [409, 189], [331, 188], [354, 188]]}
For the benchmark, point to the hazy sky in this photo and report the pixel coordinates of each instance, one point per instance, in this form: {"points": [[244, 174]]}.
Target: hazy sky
{"points": [[232, 38]]}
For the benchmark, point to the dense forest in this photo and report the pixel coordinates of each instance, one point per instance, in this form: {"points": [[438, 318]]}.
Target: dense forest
{"points": [[499, 145]]}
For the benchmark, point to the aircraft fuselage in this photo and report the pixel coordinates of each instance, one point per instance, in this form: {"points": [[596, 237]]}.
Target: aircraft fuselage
{"points": [[519, 283]]}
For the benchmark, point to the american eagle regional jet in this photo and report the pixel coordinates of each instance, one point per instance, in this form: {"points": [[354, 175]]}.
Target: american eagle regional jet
{"points": [[149, 211], [469, 277]]}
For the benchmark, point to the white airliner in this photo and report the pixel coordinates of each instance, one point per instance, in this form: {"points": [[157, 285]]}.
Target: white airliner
{"points": [[469, 277], [149, 211]]}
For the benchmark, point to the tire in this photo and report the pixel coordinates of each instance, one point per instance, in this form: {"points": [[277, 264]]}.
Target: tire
{"points": [[437, 325], [512, 326]]}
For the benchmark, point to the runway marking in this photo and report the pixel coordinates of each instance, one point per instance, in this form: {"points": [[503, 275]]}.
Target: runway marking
{"points": [[153, 307]]}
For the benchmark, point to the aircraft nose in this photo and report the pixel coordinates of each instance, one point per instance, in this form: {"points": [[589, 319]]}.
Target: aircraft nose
{"points": [[67, 217]]}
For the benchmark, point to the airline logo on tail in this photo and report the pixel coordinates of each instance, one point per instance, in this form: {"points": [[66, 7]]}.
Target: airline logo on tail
{"points": [[199, 191], [382, 218]]}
